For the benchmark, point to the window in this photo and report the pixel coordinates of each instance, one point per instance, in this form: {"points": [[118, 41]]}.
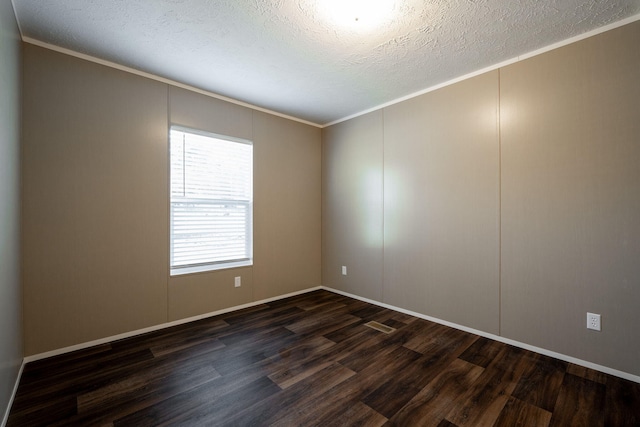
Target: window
{"points": [[211, 222]]}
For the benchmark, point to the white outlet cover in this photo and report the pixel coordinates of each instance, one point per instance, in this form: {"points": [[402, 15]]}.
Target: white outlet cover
{"points": [[238, 282], [344, 270], [593, 321]]}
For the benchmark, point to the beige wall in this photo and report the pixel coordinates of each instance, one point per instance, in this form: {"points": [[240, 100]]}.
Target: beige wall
{"points": [[441, 183], [434, 180], [511, 201], [352, 206], [94, 201], [571, 198], [11, 351], [287, 206], [95, 237]]}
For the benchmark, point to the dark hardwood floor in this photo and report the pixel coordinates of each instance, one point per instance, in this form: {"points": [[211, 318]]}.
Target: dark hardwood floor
{"points": [[310, 360]]}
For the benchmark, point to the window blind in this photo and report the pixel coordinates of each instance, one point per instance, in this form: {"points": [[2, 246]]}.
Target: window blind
{"points": [[211, 199]]}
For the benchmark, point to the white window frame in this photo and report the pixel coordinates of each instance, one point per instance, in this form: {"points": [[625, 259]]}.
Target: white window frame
{"points": [[212, 265]]}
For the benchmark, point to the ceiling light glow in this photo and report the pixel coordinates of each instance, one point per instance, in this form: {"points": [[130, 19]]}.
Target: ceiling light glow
{"points": [[358, 14]]}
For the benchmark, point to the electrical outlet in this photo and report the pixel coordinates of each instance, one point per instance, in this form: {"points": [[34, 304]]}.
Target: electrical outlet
{"points": [[344, 270], [238, 282], [593, 321]]}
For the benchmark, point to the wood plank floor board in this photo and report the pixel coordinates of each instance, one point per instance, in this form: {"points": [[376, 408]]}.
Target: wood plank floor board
{"points": [[371, 312], [232, 358], [238, 332], [324, 307], [586, 373], [540, 384], [394, 393], [258, 320], [180, 335], [408, 383], [282, 372], [200, 407], [450, 339], [324, 325], [519, 413], [584, 398], [174, 379], [483, 402], [160, 407], [623, 403], [182, 356], [432, 335], [74, 382], [309, 360], [375, 349], [246, 336], [322, 409], [45, 412], [298, 369], [126, 397], [401, 317], [188, 344], [429, 406], [294, 403], [357, 414], [482, 352], [345, 332]]}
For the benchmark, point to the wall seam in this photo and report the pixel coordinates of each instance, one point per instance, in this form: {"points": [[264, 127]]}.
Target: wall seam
{"points": [[23, 329], [322, 135], [253, 207], [383, 205], [499, 128], [168, 188]]}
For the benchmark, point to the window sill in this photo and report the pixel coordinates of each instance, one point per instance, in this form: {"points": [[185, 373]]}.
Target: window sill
{"points": [[180, 271]]}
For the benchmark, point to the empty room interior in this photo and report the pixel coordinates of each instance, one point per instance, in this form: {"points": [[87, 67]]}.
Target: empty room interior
{"points": [[319, 212]]}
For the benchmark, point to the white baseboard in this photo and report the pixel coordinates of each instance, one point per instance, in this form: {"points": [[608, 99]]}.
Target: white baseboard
{"points": [[570, 359], [105, 340], [13, 395], [525, 346]]}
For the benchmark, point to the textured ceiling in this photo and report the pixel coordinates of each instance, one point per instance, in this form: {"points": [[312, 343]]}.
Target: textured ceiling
{"points": [[291, 57]]}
